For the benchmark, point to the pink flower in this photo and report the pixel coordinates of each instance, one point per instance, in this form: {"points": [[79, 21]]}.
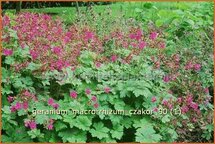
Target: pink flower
{"points": [[107, 89], [50, 126], [155, 109], [165, 102], [67, 37], [59, 64], [206, 102], [153, 35], [55, 105], [179, 100], [33, 54], [166, 78], [56, 50], [113, 58], [153, 99], [177, 58], [133, 44], [73, 94], [26, 122], [32, 125], [188, 66], [98, 64], [132, 36], [189, 99], [25, 105], [194, 105], [50, 101], [87, 91], [51, 121], [7, 52], [208, 98], [73, 68], [88, 35], [125, 44], [13, 108], [184, 109], [170, 106], [34, 98], [197, 67], [206, 90], [66, 40], [10, 99], [194, 120], [44, 27], [69, 34], [96, 105], [138, 35], [94, 98], [66, 63], [174, 77], [142, 45], [18, 106], [5, 21], [162, 45], [27, 93], [46, 17]]}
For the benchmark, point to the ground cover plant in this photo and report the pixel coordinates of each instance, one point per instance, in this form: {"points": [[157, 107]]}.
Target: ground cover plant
{"points": [[152, 67]]}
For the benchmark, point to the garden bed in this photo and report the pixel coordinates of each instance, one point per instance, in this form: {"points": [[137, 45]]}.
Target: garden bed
{"points": [[106, 77]]}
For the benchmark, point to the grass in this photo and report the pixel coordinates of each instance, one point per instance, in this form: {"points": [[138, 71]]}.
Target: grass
{"points": [[129, 9]]}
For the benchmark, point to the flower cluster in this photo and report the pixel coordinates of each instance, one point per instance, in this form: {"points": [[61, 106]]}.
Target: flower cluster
{"points": [[31, 124], [52, 103], [55, 47]]}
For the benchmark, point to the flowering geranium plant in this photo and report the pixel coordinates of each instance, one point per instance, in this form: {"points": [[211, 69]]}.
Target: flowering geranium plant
{"points": [[48, 66]]}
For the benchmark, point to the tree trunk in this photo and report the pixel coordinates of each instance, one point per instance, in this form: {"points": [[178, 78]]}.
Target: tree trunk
{"points": [[38, 5], [88, 6], [77, 7], [18, 6]]}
